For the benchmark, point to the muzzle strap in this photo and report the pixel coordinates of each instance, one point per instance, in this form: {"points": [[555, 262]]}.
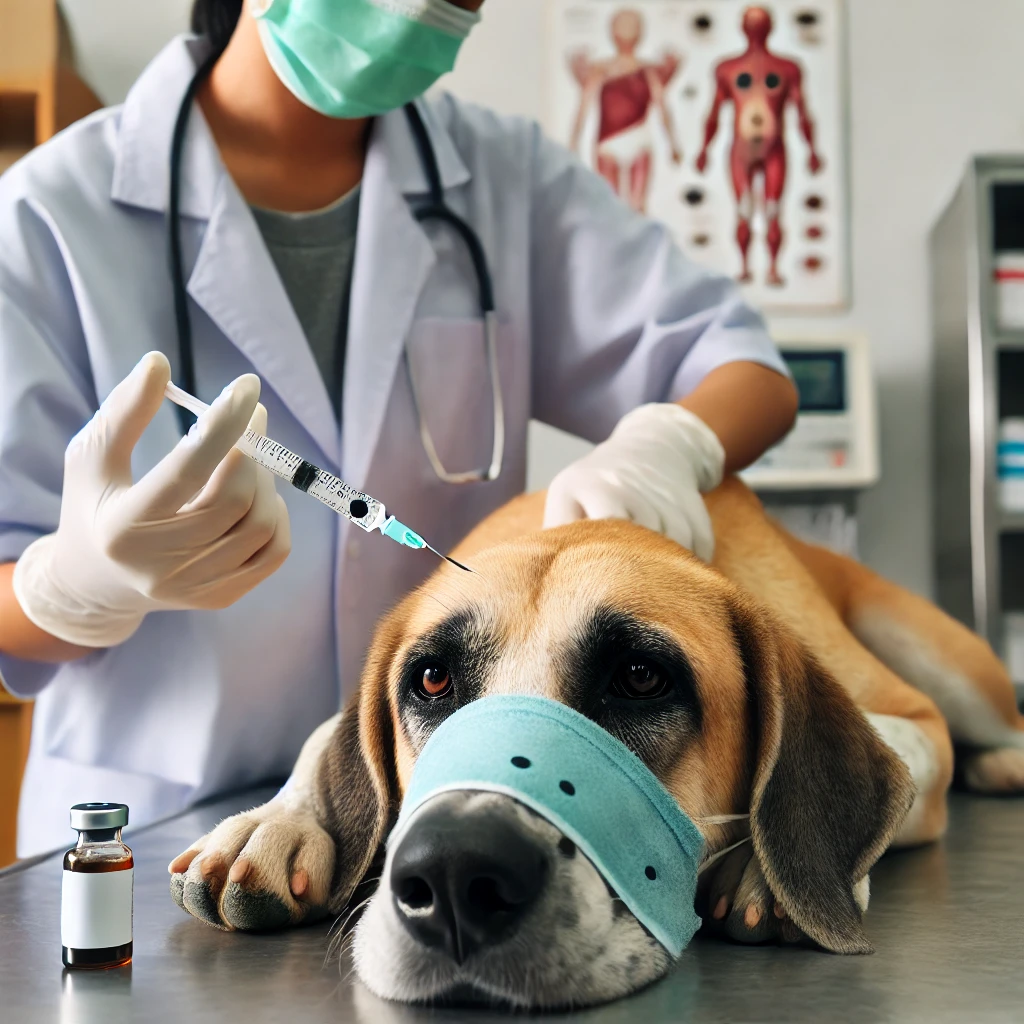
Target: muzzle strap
{"points": [[587, 784]]}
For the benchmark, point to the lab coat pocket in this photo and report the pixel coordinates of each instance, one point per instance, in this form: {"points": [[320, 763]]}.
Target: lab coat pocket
{"points": [[447, 359]]}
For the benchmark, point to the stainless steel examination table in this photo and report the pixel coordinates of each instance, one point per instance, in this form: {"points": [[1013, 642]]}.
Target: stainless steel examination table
{"points": [[947, 922]]}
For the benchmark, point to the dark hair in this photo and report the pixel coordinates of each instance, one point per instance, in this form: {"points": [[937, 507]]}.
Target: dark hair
{"points": [[216, 19]]}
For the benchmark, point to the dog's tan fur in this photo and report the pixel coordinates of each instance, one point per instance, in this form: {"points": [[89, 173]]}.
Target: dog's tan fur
{"points": [[819, 595], [794, 651]]}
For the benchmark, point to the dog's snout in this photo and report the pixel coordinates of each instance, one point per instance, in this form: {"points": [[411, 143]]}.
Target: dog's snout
{"points": [[465, 880]]}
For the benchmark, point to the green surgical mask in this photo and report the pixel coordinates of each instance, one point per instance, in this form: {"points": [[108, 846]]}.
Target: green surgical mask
{"points": [[360, 58]]}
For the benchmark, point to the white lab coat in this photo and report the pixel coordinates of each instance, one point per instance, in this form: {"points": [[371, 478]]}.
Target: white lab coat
{"points": [[599, 313]]}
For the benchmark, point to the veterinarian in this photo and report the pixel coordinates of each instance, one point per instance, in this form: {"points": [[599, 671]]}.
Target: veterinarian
{"points": [[161, 671]]}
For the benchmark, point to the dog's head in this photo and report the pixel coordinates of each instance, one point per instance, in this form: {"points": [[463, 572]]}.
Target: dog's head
{"points": [[481, 895]]}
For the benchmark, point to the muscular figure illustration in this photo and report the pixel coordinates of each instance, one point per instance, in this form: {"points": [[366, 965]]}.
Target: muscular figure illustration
{"points": [[625, 89], [759, 84]]}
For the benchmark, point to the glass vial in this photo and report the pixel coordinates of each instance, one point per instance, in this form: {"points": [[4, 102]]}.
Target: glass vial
{"points": [[96, 895]]}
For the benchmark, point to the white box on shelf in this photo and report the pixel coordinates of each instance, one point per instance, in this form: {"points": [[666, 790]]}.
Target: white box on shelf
{"points": [[1013, 645], [1008, 279], [1010, 464]]}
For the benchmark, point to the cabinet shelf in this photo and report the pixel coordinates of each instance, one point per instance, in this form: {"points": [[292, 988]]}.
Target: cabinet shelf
{"points": [[1009, 340], [1011, 522]]}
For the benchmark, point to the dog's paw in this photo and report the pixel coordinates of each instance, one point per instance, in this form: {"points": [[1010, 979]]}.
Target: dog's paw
{"points": [[263, 869], [741, 907], [995, 771]]}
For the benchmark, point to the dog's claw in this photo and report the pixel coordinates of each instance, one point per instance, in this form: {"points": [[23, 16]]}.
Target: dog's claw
{"points": [[213, 867], [239, 871], [181, 863], [200, 900]]}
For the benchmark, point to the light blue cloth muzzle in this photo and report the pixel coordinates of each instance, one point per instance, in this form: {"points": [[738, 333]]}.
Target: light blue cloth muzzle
{"points": [[588, 785]]}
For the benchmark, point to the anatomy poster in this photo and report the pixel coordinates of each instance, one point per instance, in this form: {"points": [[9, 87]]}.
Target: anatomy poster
{"points": [[723, 119]]}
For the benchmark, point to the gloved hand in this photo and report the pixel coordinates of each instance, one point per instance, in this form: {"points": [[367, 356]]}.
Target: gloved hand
{"points": [[199, 530], [652, 470]]}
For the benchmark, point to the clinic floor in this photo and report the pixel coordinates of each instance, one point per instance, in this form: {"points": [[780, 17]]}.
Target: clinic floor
{"points": [[947, 922]]}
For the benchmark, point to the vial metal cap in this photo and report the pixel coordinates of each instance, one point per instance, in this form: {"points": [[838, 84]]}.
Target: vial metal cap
{"points": [[94, 816]]}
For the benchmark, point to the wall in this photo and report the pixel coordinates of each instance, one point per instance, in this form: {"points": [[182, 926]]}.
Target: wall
{"points": [[931, 82], [114, 39]]}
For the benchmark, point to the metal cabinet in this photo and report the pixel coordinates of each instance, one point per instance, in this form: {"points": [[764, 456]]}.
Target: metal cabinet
{"points": [[978, 380]]}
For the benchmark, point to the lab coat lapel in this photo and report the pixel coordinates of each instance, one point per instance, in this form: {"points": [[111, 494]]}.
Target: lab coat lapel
{"points": [[236, 284], [233, 278], [393, 260]]}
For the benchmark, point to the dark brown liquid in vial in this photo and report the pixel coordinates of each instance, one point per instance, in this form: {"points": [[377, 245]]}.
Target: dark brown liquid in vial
{"points": [[109, 956]]}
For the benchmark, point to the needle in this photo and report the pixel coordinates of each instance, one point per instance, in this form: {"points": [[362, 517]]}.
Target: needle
{"points": [[448, 558]]}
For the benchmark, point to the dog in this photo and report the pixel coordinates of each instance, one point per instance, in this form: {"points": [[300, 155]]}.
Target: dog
{"points": [[782, 683]]}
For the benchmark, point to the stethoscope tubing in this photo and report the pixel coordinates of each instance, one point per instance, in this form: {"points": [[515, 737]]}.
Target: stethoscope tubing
{"points": [[434, 209]]}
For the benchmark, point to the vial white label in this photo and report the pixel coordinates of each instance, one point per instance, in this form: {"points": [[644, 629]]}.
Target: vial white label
{"points": [[96, 909]]}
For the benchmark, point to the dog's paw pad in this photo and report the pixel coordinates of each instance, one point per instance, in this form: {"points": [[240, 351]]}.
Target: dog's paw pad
{"points": [[200, 900], [253, 910], [178, 890]]}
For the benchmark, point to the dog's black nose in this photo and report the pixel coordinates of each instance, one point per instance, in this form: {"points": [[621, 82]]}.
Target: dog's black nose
{"points": [[464, 879]]}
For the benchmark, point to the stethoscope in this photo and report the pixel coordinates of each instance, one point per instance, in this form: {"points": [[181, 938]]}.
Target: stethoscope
{"points": [[434, 208]]}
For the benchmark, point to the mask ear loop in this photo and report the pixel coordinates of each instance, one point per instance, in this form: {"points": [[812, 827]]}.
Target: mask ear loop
{"points": [[708, 861], [721, 819]]}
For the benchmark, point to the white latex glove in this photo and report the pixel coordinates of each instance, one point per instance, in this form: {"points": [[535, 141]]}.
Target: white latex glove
{"points": [[199, 530], [652, 470]]}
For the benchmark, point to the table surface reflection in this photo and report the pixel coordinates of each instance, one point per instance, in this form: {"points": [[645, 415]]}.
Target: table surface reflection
{"points": [[947, 922]]}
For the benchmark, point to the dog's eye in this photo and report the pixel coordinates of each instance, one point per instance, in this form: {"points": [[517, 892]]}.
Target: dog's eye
{"points": [[435, 682], [637, 679]]}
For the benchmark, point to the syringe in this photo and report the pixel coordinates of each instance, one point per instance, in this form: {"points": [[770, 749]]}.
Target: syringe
{"points": [[365, 512]]}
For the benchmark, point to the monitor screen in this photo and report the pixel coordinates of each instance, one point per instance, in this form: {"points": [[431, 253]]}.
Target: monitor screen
{"points": [[820, 379]]}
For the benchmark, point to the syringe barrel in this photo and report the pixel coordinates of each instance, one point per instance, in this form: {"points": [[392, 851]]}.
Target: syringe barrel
{"points": [[324, 486]]}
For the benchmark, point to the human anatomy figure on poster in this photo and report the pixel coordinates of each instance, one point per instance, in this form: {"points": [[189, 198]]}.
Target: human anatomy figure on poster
{"points": [[625, 89], [759, 84]]}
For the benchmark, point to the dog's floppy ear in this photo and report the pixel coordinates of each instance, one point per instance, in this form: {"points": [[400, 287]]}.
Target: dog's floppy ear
{"points": [[828, 795], [357, 787]]}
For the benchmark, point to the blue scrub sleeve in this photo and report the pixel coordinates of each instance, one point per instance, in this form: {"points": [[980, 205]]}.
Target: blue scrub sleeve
{"points": [[46, 396], [620, 316]]}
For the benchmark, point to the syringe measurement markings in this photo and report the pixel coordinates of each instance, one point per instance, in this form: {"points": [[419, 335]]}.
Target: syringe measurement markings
{"points": [[310, 479]]}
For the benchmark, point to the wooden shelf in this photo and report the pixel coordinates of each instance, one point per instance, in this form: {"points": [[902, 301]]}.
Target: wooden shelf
{"points": [[10, 155], [40, 93]]}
